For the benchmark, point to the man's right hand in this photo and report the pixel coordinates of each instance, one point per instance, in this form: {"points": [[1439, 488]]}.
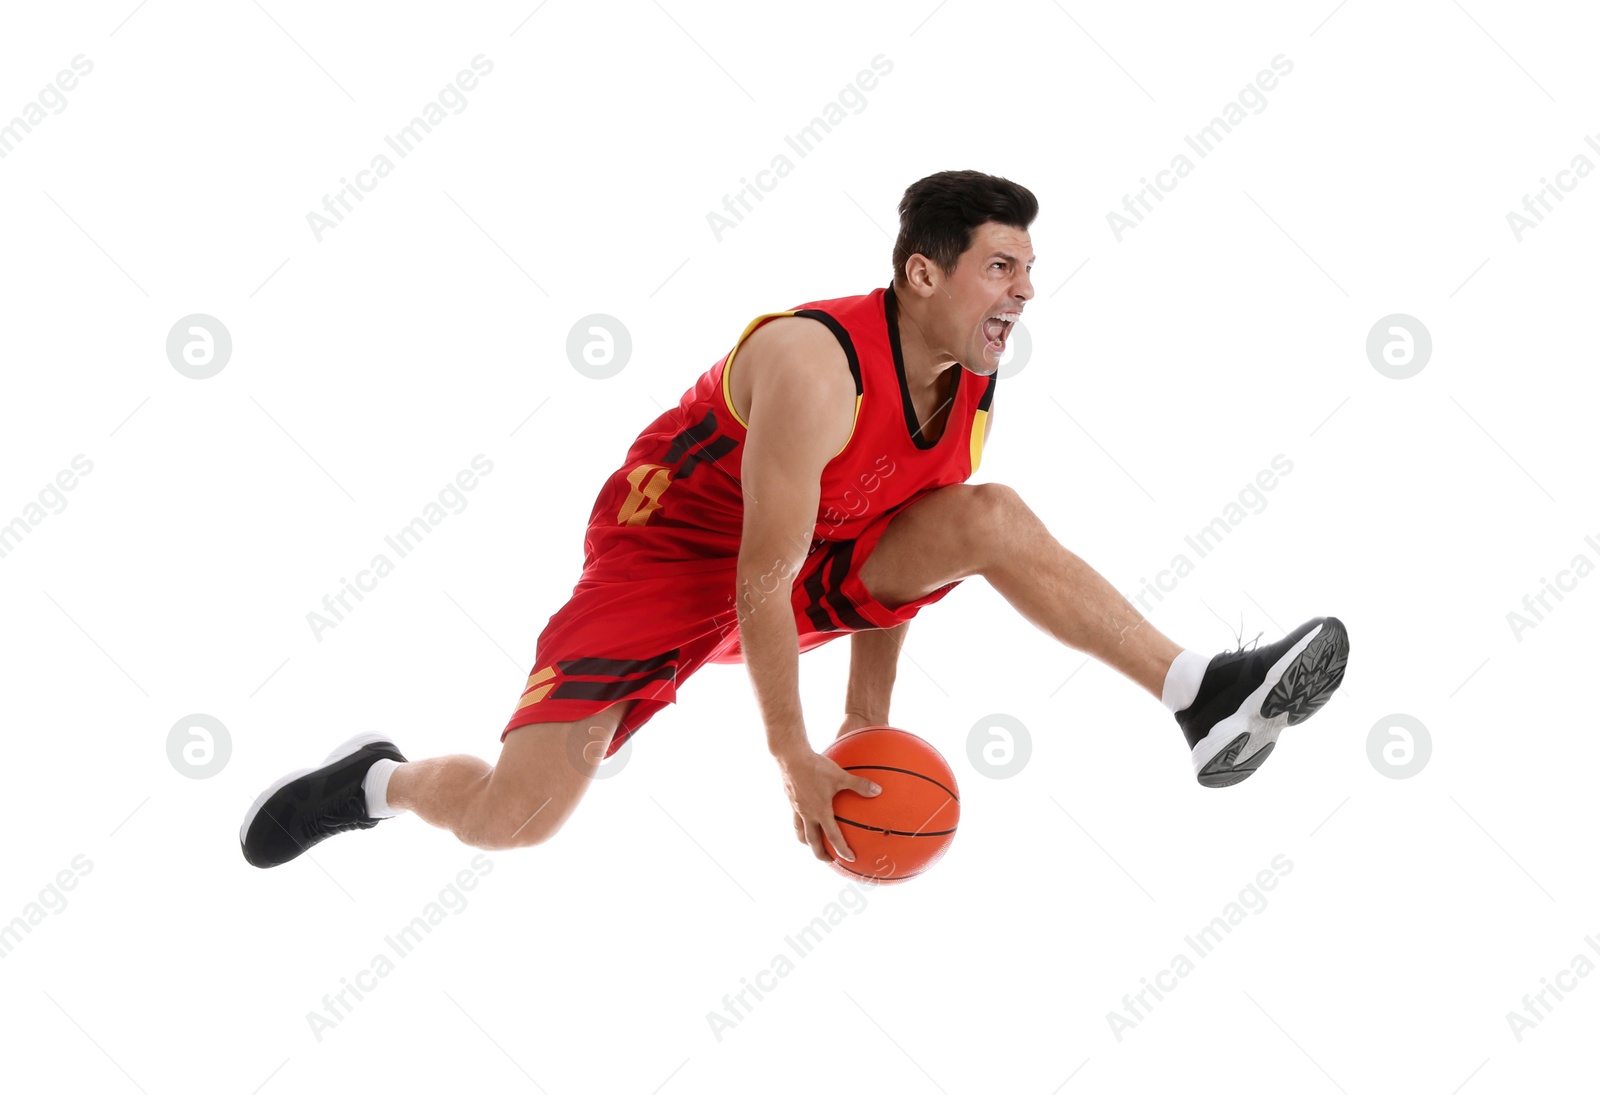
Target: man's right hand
{"points": [[812, 780]]}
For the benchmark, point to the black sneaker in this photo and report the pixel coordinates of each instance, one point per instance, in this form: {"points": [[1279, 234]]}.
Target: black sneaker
{"points": [[1247, 697], [306, 807]]}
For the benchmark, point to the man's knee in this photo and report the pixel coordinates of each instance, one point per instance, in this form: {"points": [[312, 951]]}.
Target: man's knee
{"points": [[988, 511], [994, 501], [543, 771]]}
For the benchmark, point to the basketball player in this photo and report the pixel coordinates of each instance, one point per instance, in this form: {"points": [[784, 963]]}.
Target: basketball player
{"points": [[810, 484]]}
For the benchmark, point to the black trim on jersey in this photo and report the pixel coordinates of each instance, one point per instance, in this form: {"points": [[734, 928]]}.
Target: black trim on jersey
{"points": [[891, 314], [700, 443], [691, 437], [713, 451], [988, 392], [844, 340]]}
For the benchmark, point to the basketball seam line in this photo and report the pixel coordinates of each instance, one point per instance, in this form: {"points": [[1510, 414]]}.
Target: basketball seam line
{"points": [[890, 832], [904, 771]]}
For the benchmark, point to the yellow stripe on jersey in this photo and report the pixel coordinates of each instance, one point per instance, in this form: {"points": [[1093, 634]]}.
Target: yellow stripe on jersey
{"points": [[727, 367], [979, 421], [727, 374], [853, 422]]}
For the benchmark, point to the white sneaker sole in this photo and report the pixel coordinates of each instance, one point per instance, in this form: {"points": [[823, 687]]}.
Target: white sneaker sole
{"points": [[1260, 733]]}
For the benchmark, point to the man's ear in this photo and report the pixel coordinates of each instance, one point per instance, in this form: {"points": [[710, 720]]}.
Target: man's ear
{"points": [[922, 276]]}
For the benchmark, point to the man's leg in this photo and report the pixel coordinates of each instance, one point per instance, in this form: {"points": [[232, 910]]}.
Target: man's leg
{"points": [[1231, 707], [543, 770], [986, 529]]}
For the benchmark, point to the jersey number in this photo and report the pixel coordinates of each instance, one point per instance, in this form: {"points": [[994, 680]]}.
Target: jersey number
{"points": [[646, 483]]}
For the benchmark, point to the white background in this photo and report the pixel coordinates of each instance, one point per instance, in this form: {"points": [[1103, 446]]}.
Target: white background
{"points": [[370, 367]]}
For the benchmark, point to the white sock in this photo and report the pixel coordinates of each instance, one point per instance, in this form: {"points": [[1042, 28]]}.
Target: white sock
{"points": [[376, 785], [1183, 680]]}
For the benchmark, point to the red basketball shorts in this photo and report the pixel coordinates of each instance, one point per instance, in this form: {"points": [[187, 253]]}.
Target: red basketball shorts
{"points": [[639, 624]]}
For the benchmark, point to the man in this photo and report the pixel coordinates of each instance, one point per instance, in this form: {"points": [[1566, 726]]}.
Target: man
{"points": [[811, 483]]}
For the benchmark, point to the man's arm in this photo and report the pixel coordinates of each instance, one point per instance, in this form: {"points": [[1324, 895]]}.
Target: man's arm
{"points": [[802, 404], [800, 414], [874, 657]]}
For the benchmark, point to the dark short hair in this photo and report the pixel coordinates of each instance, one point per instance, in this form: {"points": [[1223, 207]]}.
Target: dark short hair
{"points": [[939, 214]]}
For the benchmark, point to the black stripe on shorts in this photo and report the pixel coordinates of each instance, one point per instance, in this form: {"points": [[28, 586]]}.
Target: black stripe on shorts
{"points": [[823, 592], [614, 667], [842, 608], [814, 611], [610, 690]]}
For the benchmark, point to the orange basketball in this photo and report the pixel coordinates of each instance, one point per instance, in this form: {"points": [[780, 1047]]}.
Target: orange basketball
{"points": [[903, 831]]}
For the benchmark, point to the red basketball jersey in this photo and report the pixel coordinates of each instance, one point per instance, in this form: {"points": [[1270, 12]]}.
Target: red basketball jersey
{"points": [[678, 494]]}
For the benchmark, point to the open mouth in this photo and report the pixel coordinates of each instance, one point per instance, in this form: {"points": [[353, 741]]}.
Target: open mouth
{"points": [[997, 329]]}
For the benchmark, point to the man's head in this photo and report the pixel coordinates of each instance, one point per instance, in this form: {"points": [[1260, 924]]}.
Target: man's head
{"points": [[964, 253]]}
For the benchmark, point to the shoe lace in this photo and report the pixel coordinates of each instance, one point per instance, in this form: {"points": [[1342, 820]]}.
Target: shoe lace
{"points": [[1240, 637], [342, 817]]}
